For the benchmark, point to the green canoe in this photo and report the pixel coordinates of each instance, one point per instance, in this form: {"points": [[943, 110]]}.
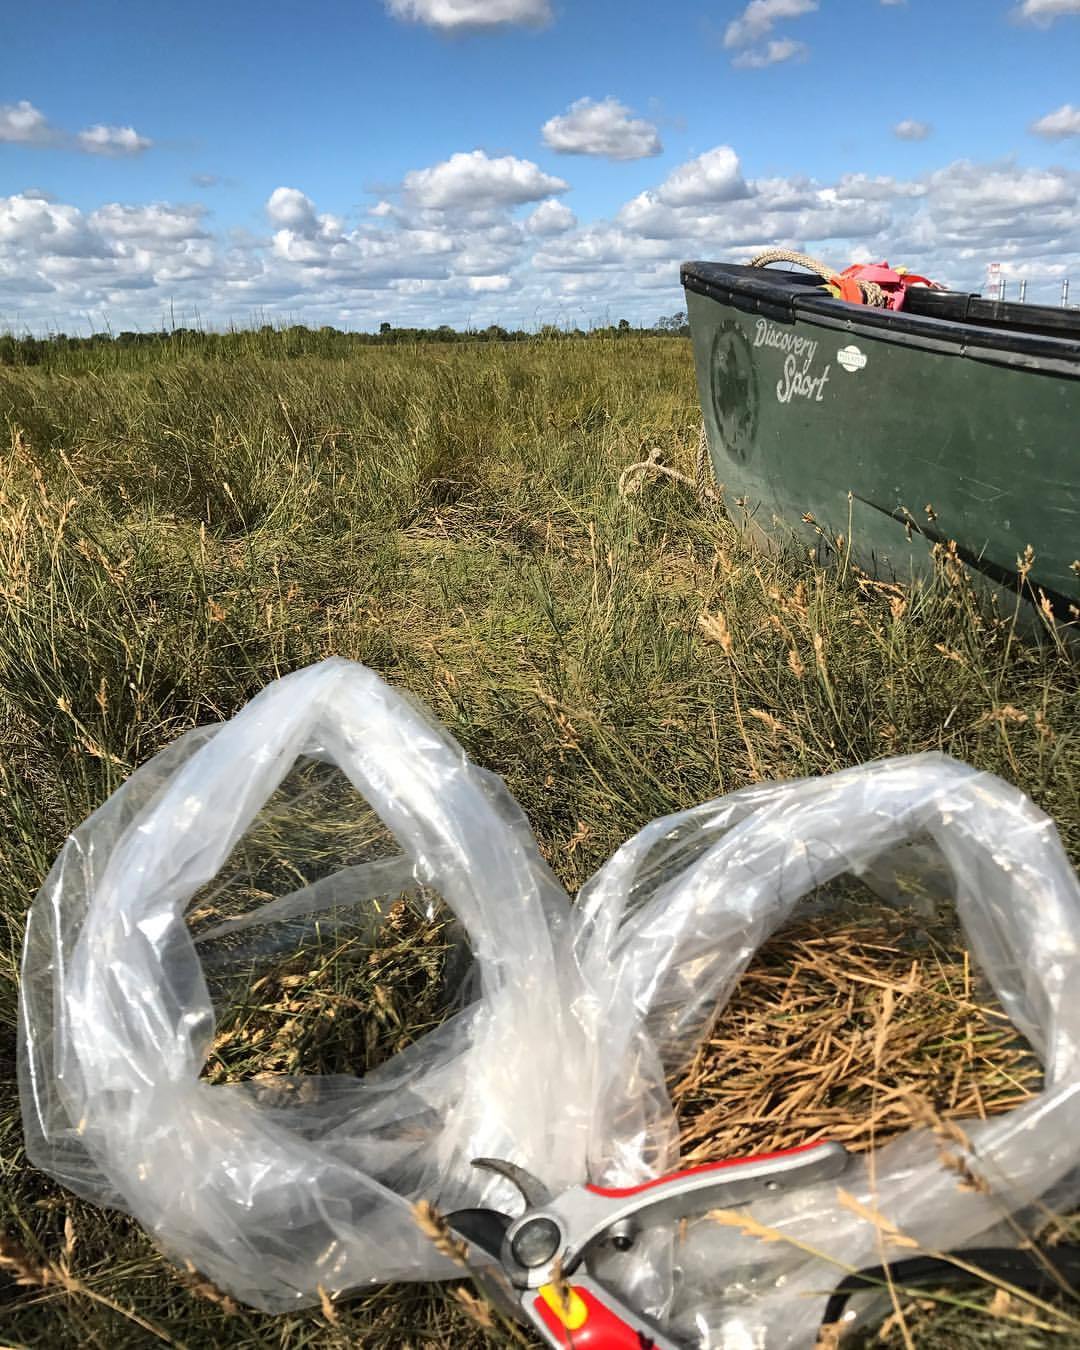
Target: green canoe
{"points": [[954, 420]]}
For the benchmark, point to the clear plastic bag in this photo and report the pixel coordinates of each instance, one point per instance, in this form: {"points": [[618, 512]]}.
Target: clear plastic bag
{"points": [[558, 1063], [666, 927], [274, 1194]]}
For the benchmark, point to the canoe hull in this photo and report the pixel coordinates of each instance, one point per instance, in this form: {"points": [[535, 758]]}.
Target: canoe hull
{"points": [[895, 440]]}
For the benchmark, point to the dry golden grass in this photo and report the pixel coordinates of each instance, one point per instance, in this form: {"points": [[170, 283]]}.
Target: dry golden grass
{"points": [[849, 1031], [177, 530]]}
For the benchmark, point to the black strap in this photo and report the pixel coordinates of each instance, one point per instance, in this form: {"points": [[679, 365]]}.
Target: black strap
{"points": [[1042, 1273]]}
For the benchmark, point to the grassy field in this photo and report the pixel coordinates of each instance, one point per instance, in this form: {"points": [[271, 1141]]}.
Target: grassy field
{"points": [[178, 529]]}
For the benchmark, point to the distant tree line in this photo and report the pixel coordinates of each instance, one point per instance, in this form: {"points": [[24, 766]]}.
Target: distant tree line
{"points": [[299, 340]]}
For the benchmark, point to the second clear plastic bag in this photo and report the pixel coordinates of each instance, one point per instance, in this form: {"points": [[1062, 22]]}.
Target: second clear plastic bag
{"points": [[666, 928]]}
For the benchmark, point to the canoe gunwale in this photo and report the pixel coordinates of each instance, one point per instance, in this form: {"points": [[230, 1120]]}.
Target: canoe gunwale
{"points": [[798, 297]]}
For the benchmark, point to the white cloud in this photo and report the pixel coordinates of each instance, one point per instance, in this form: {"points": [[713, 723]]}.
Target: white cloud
{"points": [[714, 176], [292, 209], [492, 283], [760, 17], [1064, 121], [159, 221], [601, 128], [112, 141], [472, 180], [861, 187], [550, 217], [1044, 12], [596, 248], [23, 124], [39, 226], [773, 53], [965, 186], [453, 16], [912, 130], [427, 265]]}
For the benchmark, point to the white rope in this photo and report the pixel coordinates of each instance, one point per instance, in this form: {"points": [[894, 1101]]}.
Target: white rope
{"points": [[632, 479]]}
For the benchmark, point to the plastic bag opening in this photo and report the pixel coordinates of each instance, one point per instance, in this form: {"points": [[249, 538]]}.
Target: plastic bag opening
{"points": [[322, 953]]}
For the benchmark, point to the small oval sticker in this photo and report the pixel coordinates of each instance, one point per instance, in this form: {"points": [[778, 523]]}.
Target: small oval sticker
{"points": [[851, 357]]}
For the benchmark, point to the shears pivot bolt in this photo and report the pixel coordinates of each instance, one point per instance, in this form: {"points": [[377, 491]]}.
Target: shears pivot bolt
{"points": [[536, 1242]]}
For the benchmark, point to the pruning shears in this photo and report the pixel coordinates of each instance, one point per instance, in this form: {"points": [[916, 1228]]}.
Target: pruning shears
{"points": [[537, 1266]]}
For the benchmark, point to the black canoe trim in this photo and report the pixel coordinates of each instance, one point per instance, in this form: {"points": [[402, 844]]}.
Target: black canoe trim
{"points": [[787, 296], [1005, 577]]}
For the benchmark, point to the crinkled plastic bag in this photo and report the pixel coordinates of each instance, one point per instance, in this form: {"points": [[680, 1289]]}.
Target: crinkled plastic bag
{"points": [[662, 934], [274, 1196], [559, 1063]]}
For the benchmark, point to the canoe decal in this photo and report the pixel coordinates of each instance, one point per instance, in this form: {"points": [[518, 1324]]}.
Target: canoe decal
{"points": [[799, 379], [735, 397], [852, 358]]}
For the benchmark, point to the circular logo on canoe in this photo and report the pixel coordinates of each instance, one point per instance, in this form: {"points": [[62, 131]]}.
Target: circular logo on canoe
{"points": [[851, 357], [735, 397]]}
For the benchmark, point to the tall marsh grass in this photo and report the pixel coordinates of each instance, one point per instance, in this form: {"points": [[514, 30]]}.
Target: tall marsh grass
{"points": [[177, 529]]}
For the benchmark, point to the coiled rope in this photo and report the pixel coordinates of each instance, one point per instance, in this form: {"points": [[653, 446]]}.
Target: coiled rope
{"points": [[872, 293], [704, 483]]}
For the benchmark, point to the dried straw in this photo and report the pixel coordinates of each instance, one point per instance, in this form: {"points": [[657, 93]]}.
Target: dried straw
{"points": [[850, 1032]]}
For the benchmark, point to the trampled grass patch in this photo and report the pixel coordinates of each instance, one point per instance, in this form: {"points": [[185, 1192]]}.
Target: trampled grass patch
{"points": [[178, 529]]}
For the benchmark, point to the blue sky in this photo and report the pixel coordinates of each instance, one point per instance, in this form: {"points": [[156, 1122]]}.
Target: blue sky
{"points": [[518, 161]]}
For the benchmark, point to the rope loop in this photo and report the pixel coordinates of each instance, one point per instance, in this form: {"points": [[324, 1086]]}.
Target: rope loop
{"points": [[872, 293]]}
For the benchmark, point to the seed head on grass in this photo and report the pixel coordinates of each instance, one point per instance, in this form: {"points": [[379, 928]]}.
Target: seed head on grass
{"points": [[22, 1267], [715, 627], [435, 1228]]}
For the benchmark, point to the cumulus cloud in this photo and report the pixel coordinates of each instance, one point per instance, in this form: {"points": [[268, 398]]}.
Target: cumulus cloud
{"points": [[112, 141], [425, 264], [473, 181], [488, 284], [715, 176], [1064, 121], [772, 54], [912, 130], [760, 17], [601, 128], [292, 209], [1044, 12], [943, 223], [860, 187], [45, 228], [550, 217], [454, 16], [966, 187], [159, 221], [118, 254], [595, 248], [23, 124]]}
